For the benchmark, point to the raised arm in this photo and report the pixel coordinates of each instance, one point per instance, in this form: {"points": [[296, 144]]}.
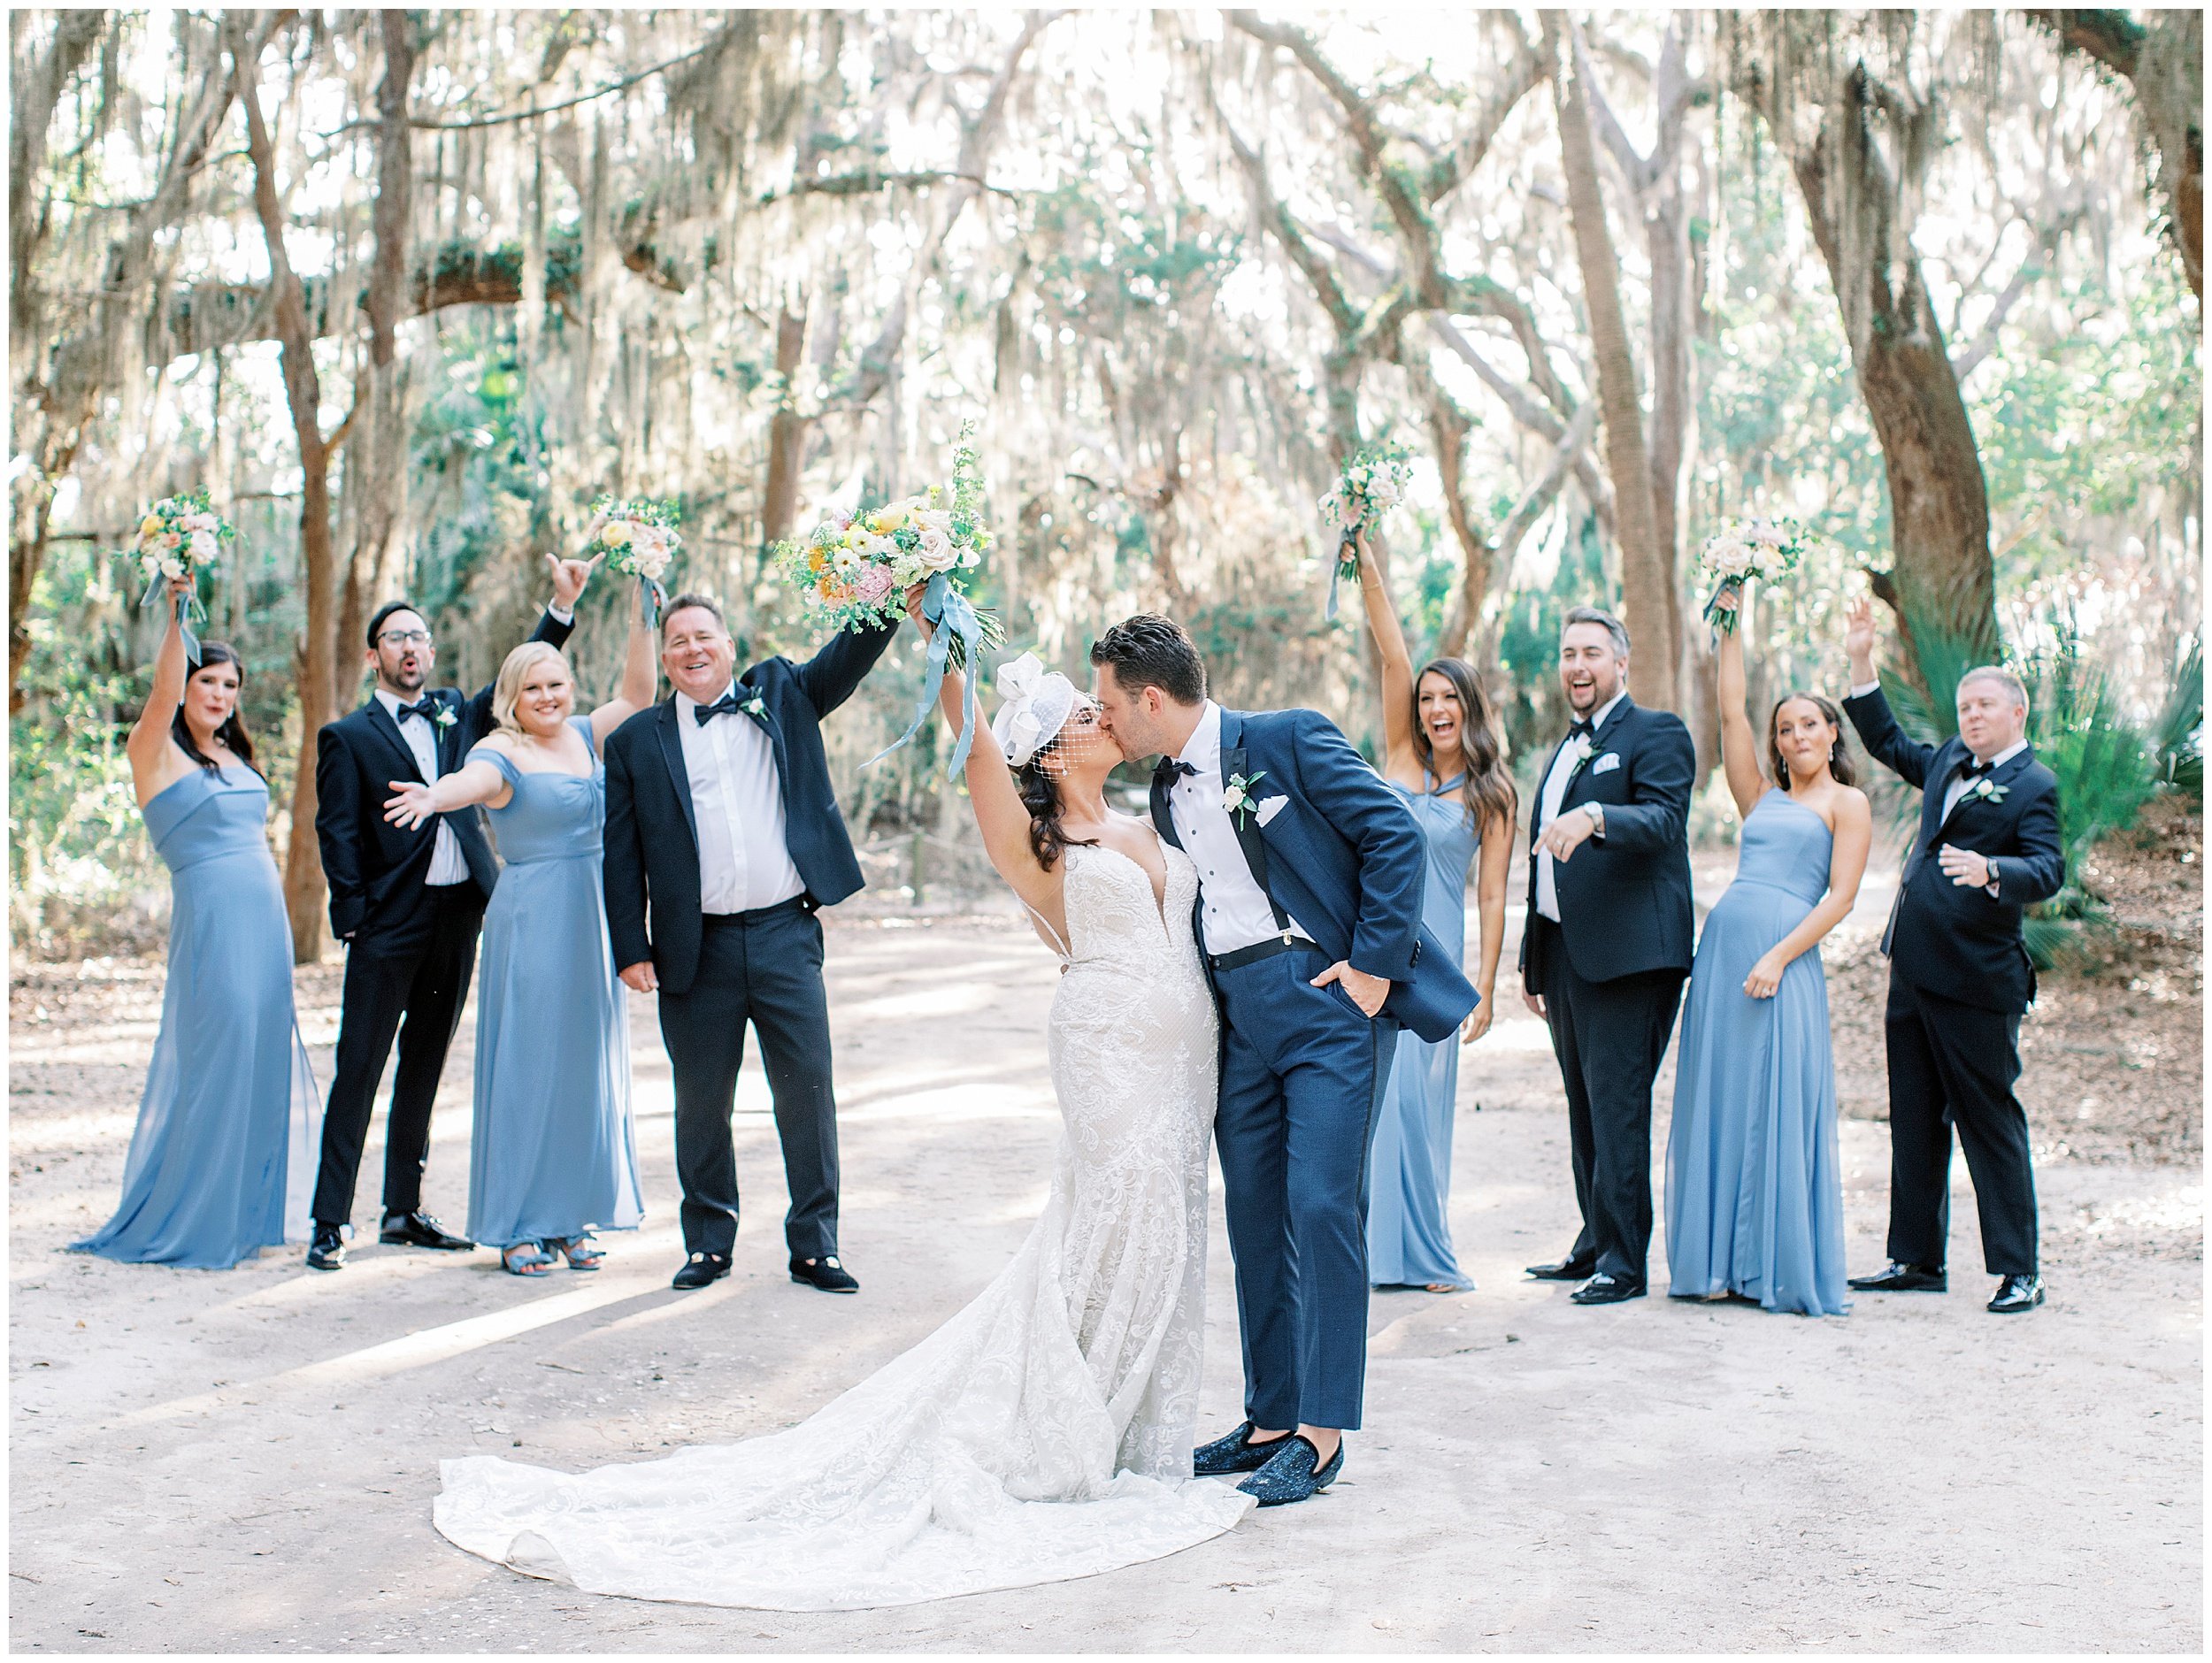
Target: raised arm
{"points": [[1397, 661], [1885, 742], [640, 681], [1739, 743], [569, 578], [1854, 835], [149, 745]]}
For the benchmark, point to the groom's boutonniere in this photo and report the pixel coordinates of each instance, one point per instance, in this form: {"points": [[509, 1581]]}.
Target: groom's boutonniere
{"points": [[445, 717], [755, 708], [1986, 787], [1237, 796]]}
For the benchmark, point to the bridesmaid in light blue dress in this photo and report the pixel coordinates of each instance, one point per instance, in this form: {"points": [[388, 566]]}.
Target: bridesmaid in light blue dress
{"points": [[222, 1159], [552, 1155], [1754, 1196], [1442, 755]]}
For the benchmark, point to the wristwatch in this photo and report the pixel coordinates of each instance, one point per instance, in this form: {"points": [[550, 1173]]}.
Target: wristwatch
{"points": [[1597, 820]]}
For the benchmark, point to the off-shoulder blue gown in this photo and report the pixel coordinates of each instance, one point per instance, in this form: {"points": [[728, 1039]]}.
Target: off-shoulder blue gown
{"points": [[552, 1153], [1410, 1166], [223, 1159], [1754, 1196]]}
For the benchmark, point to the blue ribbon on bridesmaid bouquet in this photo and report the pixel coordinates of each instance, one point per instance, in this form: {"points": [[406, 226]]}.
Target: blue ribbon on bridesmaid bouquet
{"points": [[188, 606], [651, 598], [947, 608]]}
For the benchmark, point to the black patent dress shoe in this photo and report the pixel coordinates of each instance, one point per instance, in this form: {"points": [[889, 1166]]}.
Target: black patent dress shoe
{"points": [[2015, 1294], [826, 1274], [418, 1228], [1565, 1270], [1234, 1453], [1607, 1289], [1903, 1278], [326, 1248], [700, 1269], [1294, 1471]]}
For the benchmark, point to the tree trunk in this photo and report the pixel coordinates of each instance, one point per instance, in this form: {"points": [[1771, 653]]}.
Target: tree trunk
{"points": [[304, 890], [1648, 602], [787, 431]]}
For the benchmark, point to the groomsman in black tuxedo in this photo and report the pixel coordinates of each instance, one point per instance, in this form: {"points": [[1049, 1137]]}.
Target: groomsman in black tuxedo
{"points": [[1987, 848], [1608, 941], [408, 904], [723, 839]]}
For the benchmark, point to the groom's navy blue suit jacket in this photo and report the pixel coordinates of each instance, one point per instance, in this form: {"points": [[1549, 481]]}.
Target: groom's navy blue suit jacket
{"points": [[1343, 857], [1951, 940]]}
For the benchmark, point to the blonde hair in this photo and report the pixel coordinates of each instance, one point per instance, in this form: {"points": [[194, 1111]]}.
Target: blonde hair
{"points": [[508, 688]]}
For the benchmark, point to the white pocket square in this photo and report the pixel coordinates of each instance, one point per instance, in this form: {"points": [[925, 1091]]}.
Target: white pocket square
{"points": [[1606, 763], [1269, 807]]}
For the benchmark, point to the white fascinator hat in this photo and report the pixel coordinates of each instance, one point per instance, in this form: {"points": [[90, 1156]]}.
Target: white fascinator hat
{"points": [[1037, 702]]}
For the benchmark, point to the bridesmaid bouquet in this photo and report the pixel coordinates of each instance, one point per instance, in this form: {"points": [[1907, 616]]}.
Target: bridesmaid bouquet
{"points": [[852, 573], [1742, 550], [638, 535], [1373, 483], [178, 536]]}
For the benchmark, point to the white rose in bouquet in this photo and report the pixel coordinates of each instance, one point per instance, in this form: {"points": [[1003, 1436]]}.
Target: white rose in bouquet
{"points": [[938, 551]]}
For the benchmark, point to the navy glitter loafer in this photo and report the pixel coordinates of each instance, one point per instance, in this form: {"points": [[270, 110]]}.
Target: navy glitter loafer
{"points": [[1293, 1472], [1235, 1453]]}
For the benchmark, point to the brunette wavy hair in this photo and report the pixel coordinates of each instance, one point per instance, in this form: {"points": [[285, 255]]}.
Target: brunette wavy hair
{"points": [[1040, 795], [232, 734], [1839, 758], [1487, 791]]}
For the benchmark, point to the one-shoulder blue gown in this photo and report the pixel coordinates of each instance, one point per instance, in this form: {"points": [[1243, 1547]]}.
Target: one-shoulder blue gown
{"points": [[223, 1159], [1410, 1166], [552, 1153], [1754, 1196]]}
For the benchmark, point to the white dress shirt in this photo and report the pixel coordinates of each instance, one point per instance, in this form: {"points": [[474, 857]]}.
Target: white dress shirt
{"points": [[1233, 909], [447, 865], [1555, 782], [737, 801]]}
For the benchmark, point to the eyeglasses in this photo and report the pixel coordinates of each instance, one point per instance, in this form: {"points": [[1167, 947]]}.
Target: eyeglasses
{"points": [[404, 637]]}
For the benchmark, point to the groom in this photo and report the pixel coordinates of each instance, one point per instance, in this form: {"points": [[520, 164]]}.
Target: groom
{"points": [[1987, 848], [723, 837], [1309, 914]]}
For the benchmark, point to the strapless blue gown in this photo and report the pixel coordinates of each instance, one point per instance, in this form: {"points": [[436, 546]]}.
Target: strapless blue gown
{"points": [[1754, 1196], [1410, 1166], [223, 1160], [552, 1151]]}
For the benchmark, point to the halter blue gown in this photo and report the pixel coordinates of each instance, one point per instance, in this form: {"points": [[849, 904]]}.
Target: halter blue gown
{"points": [[1410, 1166], [1754, 1196], [223, 1158], [552, 1153]]}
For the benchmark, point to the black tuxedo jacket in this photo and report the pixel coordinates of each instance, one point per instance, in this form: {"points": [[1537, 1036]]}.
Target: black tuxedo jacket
{"points": [[1624, 901], [1958, 942], [376, 869], [652, 841]]}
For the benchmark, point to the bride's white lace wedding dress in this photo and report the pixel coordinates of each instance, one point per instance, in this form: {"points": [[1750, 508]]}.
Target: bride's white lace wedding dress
{"points": [[1043, 1433]]}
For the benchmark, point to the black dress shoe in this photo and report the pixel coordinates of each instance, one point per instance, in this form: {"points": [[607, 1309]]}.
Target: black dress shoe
{"points": [[2015, 1294], [1607, 1289], [826, 1274], [700, 1269], [1903, 1278], [1234, 1453], [1293, 1472], [325, 1249], [1565, 1270], [418, 1228]]}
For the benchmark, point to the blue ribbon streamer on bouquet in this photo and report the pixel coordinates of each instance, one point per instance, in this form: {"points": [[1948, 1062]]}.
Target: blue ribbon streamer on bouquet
{"points": [[651, 598], [1724, 623], [947, 608], [1336, 574], [188, 606]]}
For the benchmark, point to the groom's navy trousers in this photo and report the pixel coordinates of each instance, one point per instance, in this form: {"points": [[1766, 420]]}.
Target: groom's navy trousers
{"points": [[1303, 1073]]}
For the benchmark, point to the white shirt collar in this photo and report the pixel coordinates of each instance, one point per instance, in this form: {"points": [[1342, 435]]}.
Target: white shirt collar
{"points": [[1203, 749], [686, 704], [2005, 755], [1598, 717]]}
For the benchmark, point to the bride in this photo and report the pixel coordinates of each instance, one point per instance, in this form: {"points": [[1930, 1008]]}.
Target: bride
{"points": [[1045, 1432]]}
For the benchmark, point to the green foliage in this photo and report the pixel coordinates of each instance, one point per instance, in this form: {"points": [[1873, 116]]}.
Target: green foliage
{"points": [[2177, 737]]}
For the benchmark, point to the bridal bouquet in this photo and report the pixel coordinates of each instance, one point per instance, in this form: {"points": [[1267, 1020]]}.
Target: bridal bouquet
{"points": [[1374, 482], [177, 537], [638, 536], [852, 573], [1742, 550]]}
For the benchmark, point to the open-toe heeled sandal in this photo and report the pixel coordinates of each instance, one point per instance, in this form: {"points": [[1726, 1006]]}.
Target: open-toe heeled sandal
{"points": [[582, 1252], [525, 1258]]}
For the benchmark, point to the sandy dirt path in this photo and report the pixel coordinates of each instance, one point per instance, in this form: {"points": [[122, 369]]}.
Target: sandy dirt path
{"points": [[244, 1460]]}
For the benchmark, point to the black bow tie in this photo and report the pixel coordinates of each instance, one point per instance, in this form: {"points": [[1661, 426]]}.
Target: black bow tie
{"points": [[426, 709], [726, 705], [1582, 730], [1971, 770], [1170, 769]]}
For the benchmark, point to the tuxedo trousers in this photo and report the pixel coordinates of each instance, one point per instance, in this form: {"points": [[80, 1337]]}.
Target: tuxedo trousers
{"points": [[765, 967], [408, 978], [1303, 1070], [1609, 1037], [1953, 1064]]}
